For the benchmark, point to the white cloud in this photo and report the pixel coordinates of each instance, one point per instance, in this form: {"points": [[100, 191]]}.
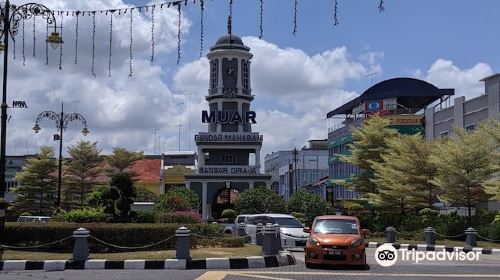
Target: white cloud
{"points": [[466, 82]]}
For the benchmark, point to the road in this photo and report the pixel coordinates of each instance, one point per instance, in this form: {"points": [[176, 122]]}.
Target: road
{"points": [[488, 267]]}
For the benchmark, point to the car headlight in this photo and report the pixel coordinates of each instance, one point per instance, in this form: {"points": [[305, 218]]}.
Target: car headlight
{"points": [[356, 242], [314, 242]]}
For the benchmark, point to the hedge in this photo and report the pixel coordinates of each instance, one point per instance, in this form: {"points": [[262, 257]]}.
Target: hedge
{"points": [[129, 235]]}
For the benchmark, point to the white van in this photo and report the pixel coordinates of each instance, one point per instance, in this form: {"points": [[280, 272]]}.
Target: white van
{"points": [[33, 219]]}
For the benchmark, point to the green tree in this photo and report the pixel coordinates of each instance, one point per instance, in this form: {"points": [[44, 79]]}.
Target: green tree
{"points": [[124, 185], [369, 143], [37, 193], [259, 200], [464, 163], [122, 158], [491, 129], [82, 169], [404, 176], [309, 204], [177, 199]]}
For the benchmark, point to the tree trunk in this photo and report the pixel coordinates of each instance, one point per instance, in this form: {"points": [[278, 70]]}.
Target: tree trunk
{"points": [[41, 202]]}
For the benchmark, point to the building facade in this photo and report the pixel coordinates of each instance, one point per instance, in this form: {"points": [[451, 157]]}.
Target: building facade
{"points": [[175, 166], [294, 169], [401, 100], [464, 114], [229, 152]]}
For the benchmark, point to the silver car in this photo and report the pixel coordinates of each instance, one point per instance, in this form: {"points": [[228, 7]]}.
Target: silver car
{"points": [[291, 230]]}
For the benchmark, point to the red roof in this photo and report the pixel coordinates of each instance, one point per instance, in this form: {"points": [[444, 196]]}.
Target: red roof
{"points": [[146, 170]]}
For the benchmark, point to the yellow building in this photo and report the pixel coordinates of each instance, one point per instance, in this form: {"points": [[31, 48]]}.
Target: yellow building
{"points": [[174, 167]]}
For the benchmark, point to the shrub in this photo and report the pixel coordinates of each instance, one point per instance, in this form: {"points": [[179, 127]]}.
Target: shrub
{"points": [[178, 217], [145, 217], [130, 235], [145, 195], [494, 231], [259, 200], [229, 214], [310, 204], [177, 199], [85, 215], [299, 216], [226, 241]]}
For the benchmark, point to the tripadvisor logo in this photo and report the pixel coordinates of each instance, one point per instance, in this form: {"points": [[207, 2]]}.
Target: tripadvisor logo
{"points": [[386, 255]]}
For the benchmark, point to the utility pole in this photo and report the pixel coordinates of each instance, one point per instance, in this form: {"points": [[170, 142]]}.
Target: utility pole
{"points": [[179, 125], [155, 131], [295, 169]]}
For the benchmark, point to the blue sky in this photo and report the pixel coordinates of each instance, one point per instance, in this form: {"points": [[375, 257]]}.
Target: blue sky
{"points": [[296, 79]]}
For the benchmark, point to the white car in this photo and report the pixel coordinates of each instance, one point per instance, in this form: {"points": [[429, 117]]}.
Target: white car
{"points": [[291, 230]]}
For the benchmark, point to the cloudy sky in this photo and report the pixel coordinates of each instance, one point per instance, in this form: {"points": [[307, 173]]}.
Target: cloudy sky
{"points": [[296, 79]]}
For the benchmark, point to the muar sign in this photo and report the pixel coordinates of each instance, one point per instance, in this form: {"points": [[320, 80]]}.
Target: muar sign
{"points": [[227, 117]]}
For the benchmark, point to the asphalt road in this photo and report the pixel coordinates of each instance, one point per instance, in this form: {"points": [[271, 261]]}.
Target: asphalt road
{"points": [[488, 267]]}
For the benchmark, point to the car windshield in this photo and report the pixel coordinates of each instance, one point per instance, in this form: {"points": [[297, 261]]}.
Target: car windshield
{"points": [[288, 222], [240, 219], [336, 227]]}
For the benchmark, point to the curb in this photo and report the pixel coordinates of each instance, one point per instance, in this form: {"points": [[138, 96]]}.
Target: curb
{"points": [[426, 247], [283, 259]]}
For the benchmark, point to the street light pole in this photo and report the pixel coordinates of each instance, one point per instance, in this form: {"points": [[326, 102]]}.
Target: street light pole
{"points": [[62, 122], [10, 24]]}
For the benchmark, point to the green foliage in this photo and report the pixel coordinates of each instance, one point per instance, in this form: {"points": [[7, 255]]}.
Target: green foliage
{"points": [[299, 216], [177, 199], [122, 158], [38, 191], [464, 164], [259, 200], [145, 195], [82, 169], [494, 231], [491, 129], [403, 177], [229, 214], [145, 217], [23, 234], [124, 186], [310, 204], [178, 217], [84, 215], [429, 216], [369, 143]]}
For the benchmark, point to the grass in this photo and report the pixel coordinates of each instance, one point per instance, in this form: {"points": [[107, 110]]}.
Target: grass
{"points": [[247, 250], [482, 244]]}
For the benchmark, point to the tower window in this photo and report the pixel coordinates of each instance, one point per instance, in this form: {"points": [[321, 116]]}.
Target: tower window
{"points": [[213, 73], [245, 75], [229, 158]]}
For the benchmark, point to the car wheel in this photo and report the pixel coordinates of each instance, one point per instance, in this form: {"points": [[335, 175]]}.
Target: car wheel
{"points": [[310, 265]]}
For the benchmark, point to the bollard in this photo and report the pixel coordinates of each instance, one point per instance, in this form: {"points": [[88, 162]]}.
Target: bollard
{"points": [[81, 248], [182, 235], [391, 235], [430, 237], [271, 243], [258, 234], [471, 237], [240, 229]]}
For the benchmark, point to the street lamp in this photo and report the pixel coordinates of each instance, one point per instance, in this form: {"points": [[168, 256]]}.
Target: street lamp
{"points": [[10, 16], [62, 122]]}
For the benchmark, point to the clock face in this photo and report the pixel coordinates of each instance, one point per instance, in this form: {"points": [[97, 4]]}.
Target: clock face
{"points": [[230, 71]]}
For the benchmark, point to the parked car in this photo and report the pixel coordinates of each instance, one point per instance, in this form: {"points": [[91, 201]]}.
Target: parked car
{"points": [[291, 230], [335, 240], [233, 228], [36, 219]]}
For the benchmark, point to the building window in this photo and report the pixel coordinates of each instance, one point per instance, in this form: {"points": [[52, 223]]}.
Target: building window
{"points": [[213, 72], [444, 134], [229, 158], [245, 75], [470, 127]]}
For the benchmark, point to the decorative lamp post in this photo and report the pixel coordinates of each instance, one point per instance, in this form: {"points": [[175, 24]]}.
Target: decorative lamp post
{"points": [[62, 122], [10, 16]]}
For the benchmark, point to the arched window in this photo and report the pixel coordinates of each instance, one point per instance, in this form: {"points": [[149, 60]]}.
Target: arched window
{"points": [[213, 73], [245, 74]]}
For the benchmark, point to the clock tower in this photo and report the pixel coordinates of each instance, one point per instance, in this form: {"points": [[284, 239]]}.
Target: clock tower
{"points": [[229, 152]]}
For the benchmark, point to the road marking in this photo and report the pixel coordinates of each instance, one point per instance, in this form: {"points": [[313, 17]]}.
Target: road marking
{"points": [[220, 275]]}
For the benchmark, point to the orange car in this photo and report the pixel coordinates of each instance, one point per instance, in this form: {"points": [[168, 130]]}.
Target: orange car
{"points": [[335, 240]]}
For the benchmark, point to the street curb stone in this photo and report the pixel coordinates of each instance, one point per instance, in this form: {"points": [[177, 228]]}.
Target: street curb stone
{"points": [[283, 259]]}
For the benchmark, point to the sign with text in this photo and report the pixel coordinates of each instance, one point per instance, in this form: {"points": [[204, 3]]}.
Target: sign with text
{"points": [[228, 170], [19, 104], [227, 117], [229, 137]]}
